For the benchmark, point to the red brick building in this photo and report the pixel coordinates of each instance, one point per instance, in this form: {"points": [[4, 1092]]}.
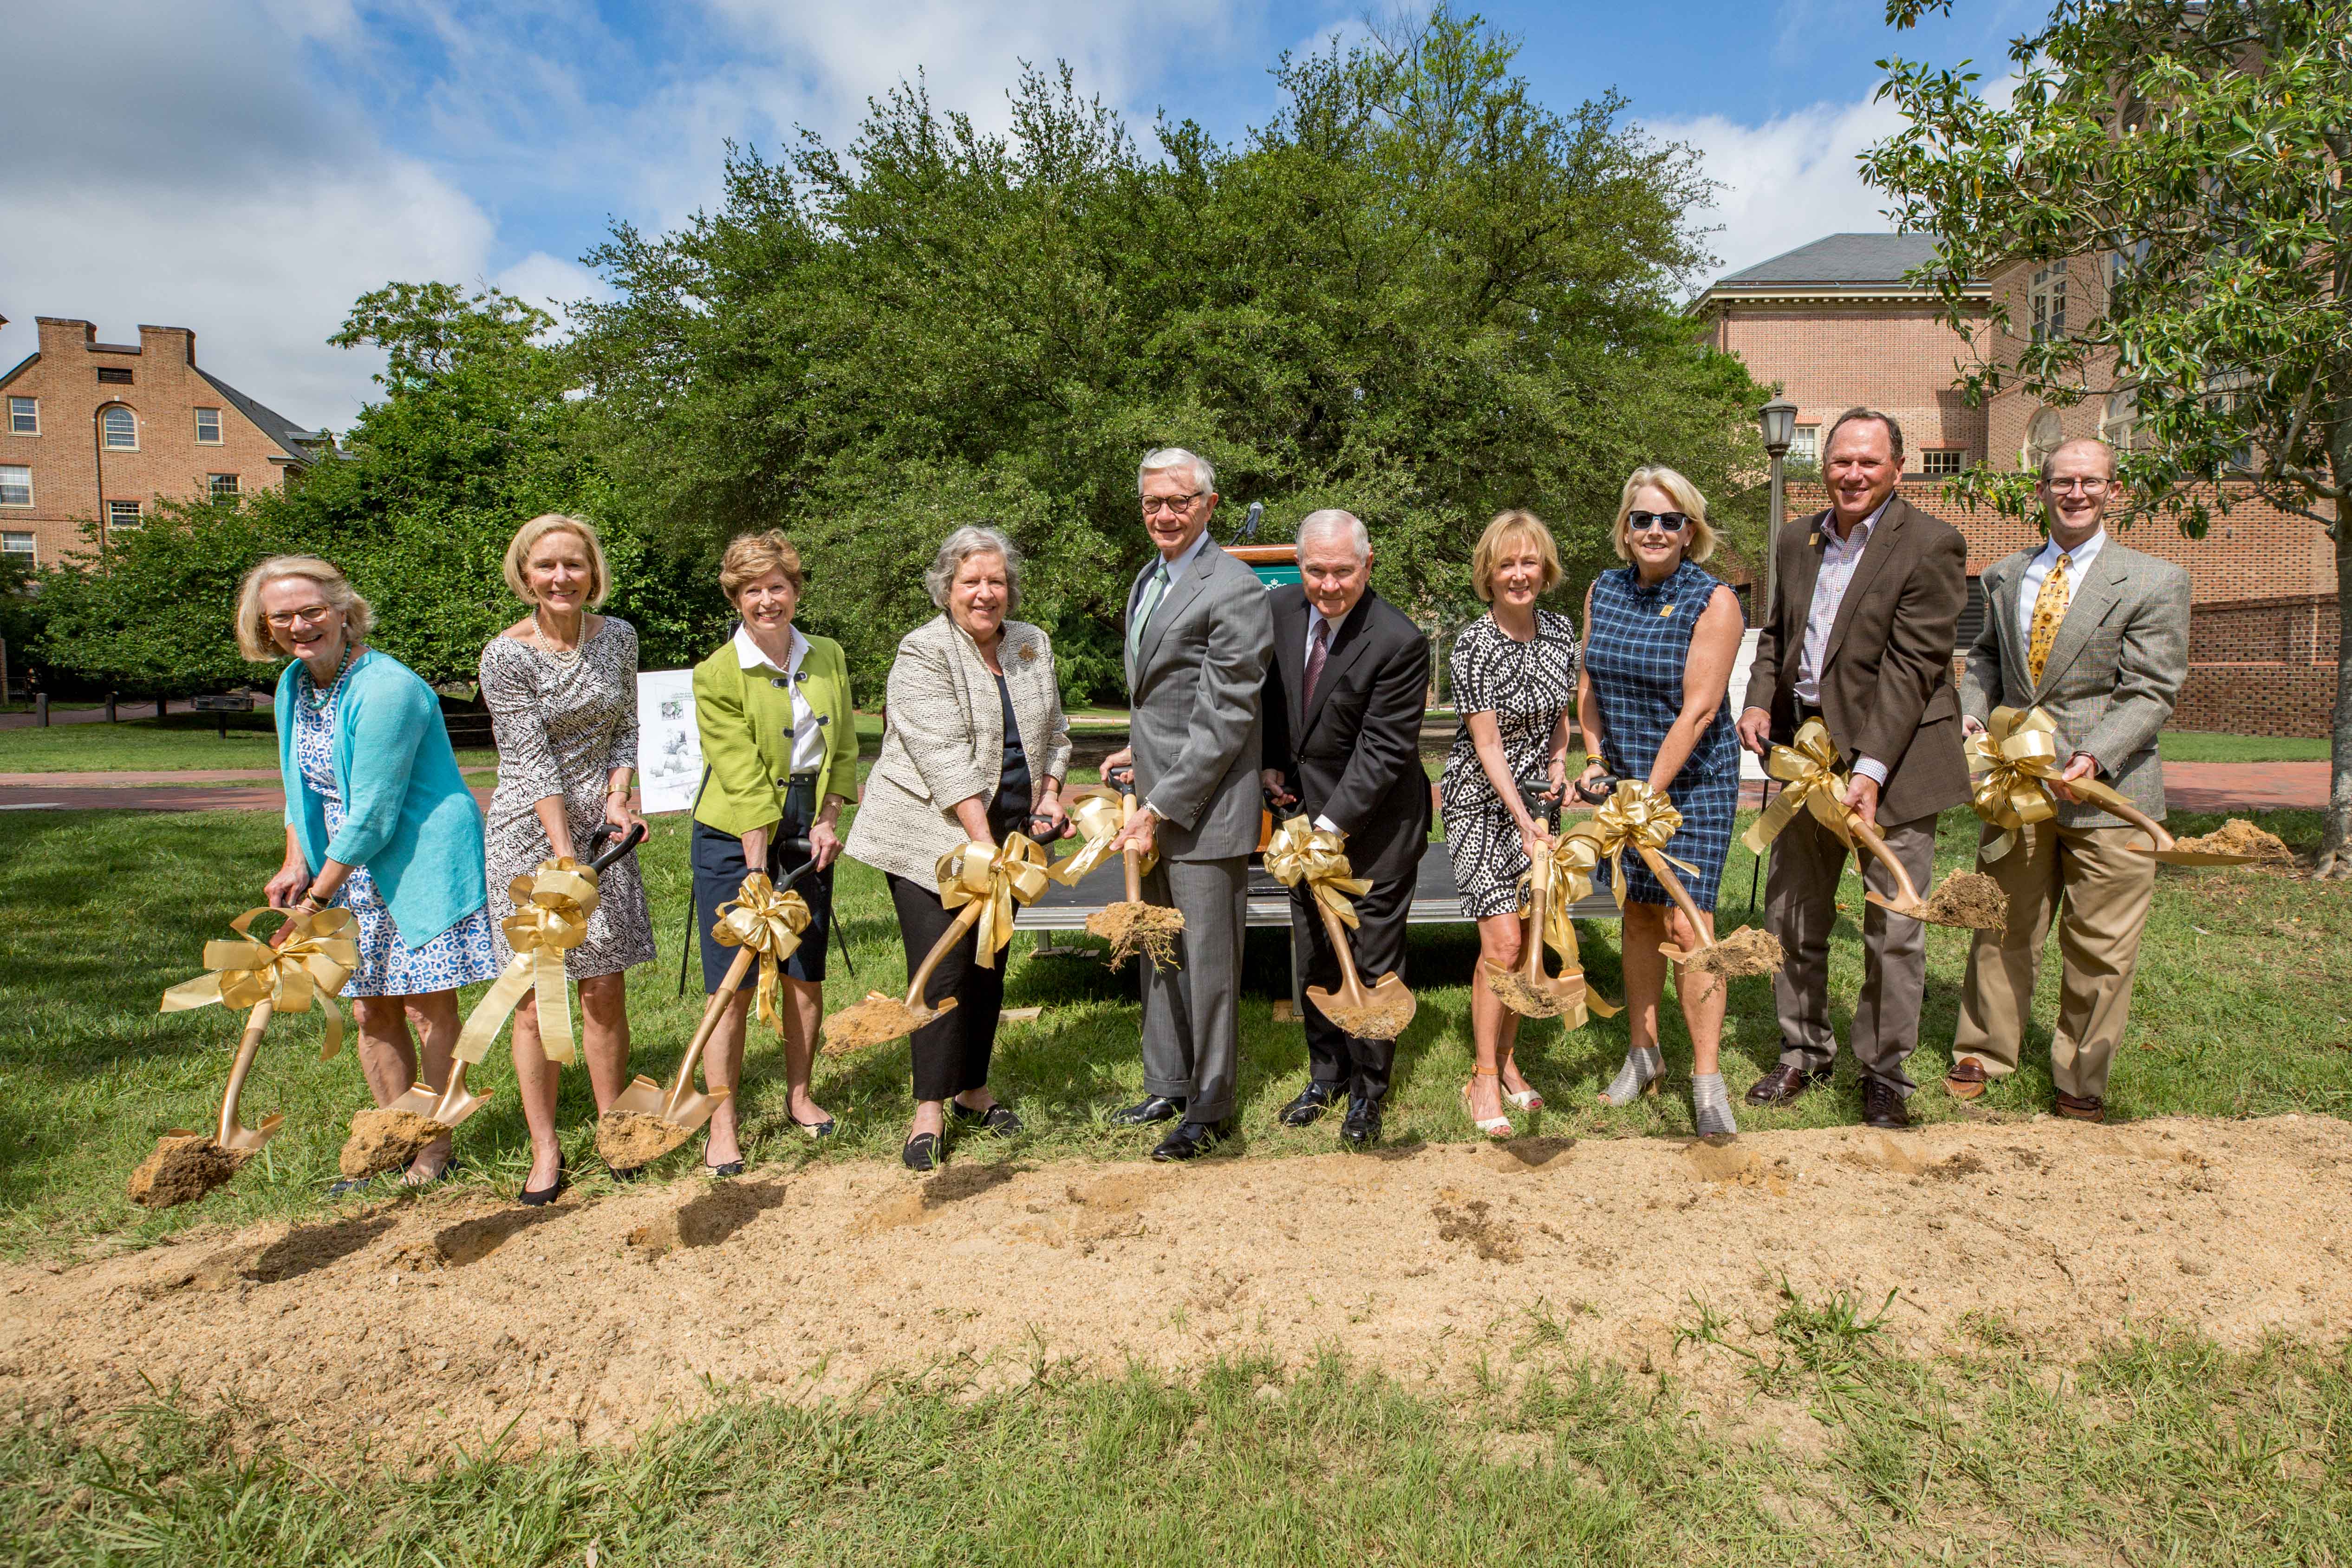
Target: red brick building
{"points": [[99, 432], [1835, 325]]}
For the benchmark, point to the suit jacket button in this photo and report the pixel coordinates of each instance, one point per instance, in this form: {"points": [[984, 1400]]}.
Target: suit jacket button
{"points": [[783, 783], [775, 680]]}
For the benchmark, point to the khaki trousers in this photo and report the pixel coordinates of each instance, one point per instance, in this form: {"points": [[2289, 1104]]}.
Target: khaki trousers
{"points": [[2105, 893], [1800, 895]]}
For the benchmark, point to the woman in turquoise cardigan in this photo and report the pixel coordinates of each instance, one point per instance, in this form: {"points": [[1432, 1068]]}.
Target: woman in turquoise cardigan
{"points": [[378, 821], [780, 753]]}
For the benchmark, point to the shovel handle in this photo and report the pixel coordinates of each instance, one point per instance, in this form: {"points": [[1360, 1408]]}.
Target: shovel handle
{"points": [[2160, 842], [1877, 845], [949, 938], [1133, 861], [1350, 985], [629, 841], [729, 984], [1678, 892], [256, 1023], [1540, 901]]}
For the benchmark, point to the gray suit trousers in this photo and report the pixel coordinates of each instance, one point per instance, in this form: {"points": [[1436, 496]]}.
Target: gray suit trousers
{"points": [[1191, 1018], [1800, 908]]}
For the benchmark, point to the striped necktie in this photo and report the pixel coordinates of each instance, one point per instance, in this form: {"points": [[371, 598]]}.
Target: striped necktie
{"points": [[1154, 590], [2049, 611]]}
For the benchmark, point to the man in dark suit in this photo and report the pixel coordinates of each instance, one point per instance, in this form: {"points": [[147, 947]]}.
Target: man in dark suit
{"points": [[1198, 639], [1343, 708], [1860, 635]]}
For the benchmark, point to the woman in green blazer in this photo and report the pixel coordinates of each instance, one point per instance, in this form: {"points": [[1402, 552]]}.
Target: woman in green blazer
{"points": [[779, 754]]}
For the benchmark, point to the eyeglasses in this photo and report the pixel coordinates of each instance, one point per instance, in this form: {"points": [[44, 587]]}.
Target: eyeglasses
{"points": [[2087, 486], [1170, 503], [1662, 522], [286, 622]]}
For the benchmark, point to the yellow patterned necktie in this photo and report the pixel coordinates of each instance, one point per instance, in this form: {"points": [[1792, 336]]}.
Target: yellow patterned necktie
{"points": [[2049, 611]]}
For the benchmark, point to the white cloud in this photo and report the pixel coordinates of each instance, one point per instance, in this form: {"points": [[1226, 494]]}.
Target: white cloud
{"points": [[1788, 180]]}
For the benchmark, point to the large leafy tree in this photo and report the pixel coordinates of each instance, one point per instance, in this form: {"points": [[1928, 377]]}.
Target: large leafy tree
{"points": [[1417, 292], [2199, 149]]}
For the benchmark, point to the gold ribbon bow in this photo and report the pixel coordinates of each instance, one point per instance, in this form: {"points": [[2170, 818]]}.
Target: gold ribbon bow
{"points": [[312, 959], [2016, 754], [551, 909], [1808, 771], [770, 923], [1574, 856], [1302, 852], [1005, 875], [1097, 814], [1637, 818]]}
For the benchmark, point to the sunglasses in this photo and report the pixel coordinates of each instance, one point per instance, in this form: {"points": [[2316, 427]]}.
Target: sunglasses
{"points": [[1664, 522]]}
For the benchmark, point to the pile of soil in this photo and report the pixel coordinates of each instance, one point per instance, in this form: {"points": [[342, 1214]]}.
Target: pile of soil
{"points": [[1522, 998], [384, 1141], [1971, 900], [438, 1318], [1151, 929], [627, 1139], [2239, 837], [1382, 1017], [1749, 951], [876, 1020], [184, 1167]]}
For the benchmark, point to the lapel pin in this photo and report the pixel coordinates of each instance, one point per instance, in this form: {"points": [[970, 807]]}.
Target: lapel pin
{"points": [[1813, 541], [1028, 651], [1666, 611]]}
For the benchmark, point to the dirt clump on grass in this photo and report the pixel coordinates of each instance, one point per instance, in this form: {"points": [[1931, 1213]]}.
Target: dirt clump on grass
{"points": [[1971, 900], [627, 1139], [2239, 837], [384, 1141], [184, 1167], [1749, 951], [876, 1020], [1130, 928], [451, 1316]]}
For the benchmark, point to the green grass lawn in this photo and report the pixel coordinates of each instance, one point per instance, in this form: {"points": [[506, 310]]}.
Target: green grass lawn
{"points": [[180, 743], [2201, 745], [2240, 1011], [2159, 1449]]}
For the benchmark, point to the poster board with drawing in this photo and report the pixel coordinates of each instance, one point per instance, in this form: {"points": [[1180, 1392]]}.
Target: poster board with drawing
{"points": [[670, 747]]}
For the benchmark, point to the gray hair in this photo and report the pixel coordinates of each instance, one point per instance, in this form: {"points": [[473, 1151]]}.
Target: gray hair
{"points": [[1894, 431], [1167, 458], [962, 545], [2051, 456], [1332, 520]]}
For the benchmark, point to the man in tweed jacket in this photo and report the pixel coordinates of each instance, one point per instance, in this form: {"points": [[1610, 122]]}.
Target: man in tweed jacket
{"points": [[2096, 636]]}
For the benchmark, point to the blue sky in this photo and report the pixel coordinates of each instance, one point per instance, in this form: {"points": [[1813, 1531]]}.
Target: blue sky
{"points": [[248, 166]]}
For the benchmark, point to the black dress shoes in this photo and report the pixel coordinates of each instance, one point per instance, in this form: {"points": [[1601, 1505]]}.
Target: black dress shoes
{"points": [[1784, 1083], [1312, 1102], [1882, 1106], [1190, 1140], [1361, 1129], [1154, 1108]]}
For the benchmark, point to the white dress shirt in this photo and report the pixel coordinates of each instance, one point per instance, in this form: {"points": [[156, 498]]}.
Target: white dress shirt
{"points": [[1317, 618], [2037, 572], [808, 735], [1840, 557]]}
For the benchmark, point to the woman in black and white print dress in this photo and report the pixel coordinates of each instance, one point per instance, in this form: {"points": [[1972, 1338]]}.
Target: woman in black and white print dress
{"points": [[1514, 673]]}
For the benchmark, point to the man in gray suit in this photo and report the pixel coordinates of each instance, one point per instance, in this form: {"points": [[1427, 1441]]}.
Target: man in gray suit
{"points": [[1199, 636], [2096, 636]]}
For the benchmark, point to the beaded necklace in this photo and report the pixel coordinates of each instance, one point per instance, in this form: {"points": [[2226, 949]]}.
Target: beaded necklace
{"points": [[319, 699]]}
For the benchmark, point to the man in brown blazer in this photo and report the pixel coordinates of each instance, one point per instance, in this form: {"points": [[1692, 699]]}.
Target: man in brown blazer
{"points": [[1860, 635]]}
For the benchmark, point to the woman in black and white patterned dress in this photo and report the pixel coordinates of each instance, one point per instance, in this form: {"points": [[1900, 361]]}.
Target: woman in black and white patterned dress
{"points": [[1514, 673], [562, 688]]}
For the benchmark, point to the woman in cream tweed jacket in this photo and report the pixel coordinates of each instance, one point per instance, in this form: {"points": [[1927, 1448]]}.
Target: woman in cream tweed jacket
{"points": [[950, 773]]}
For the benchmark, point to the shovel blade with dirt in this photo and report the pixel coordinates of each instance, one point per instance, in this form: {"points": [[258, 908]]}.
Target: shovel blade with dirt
{"points": [[186, 1165], [2168, 851], [1381, 1011], [1967, 900], [1134, 925]]}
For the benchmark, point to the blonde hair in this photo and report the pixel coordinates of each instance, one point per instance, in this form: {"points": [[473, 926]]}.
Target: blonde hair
{"points": [[1510, 528], [1698, 541], [253, 639], [527, 540], [750, 557]]}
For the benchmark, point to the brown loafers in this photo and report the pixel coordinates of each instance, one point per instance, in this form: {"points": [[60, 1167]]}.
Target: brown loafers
{"points": [[1784, 1083], [2083, 1107], [1966, 1080]]}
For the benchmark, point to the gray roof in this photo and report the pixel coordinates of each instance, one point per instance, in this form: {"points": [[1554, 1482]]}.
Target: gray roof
{"points": [[1880, 259], [295, 440]]}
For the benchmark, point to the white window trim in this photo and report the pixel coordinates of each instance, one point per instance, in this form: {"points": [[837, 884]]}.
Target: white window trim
{"points": [[213, 491], [12, 401], [33, 554], [219, 436], [138, 515], [27, 502], [104, 436]]}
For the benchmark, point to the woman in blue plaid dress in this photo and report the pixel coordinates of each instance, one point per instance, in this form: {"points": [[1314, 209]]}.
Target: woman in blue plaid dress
{"points": [[1661, 636]]}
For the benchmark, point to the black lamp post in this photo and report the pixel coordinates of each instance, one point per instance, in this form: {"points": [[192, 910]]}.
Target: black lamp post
{"points": [[1778, 419]]}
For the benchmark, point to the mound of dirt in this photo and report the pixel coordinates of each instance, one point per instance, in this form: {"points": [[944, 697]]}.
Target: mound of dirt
{"points": [[1971, 900], [444, 1317], [1747, 952], [2239, 837], [627, 1139], [184, 1167], [1151, 929], [876, 1020], [384, 1141]]}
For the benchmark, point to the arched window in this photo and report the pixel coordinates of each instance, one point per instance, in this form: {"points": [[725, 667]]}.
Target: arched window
{"points": [[120, 427], [2042, 438], [2117, 424]]}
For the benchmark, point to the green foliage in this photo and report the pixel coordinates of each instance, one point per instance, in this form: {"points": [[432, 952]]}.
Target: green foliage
{"points": [[2194, 152], [154, 614], [1416, 292]]}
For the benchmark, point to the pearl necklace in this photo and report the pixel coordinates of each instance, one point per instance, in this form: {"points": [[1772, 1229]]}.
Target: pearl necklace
{"points": [[548, 645]]}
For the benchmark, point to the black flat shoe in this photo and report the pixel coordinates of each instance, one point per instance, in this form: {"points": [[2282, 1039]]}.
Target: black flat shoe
{"points": [[1361, 1129], [1190, 1140], [540, 1196], [1152, 1108], [824, 1129], [997, 1119], [721, 1173], [350, 1184], [1307, 1107], [921, 1153]]}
